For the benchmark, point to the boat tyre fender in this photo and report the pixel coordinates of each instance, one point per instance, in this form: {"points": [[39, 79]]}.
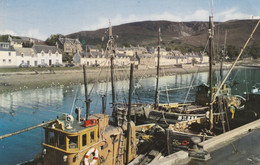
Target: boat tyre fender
{"points": [[91, 151]]}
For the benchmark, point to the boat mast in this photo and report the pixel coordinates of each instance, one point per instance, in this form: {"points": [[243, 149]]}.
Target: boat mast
{"points": [[111, 39], [222, 57], [158, 71], [129, 114], [86, 92], [211, 55]]}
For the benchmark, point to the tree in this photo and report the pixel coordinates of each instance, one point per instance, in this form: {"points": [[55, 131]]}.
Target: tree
{"points": [[232, 52], [3, 38], [51, 41], [66, 57], [254, 51], [127, 45], [168, 48], [27, 44], [99, 47]]}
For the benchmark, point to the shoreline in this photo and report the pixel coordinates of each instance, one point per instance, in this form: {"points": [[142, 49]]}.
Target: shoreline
{"points": [[17, 81]]}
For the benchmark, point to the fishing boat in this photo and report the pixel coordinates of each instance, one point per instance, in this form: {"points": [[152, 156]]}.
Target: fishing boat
{"points": [[172, 113], [252, 101], [93, 139], [224, 114]]}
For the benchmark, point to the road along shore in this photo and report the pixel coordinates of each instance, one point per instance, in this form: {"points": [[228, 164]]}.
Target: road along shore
{"points": [[15, 81]]}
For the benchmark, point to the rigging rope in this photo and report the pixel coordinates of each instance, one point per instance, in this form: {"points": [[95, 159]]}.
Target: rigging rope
{"points": [[196, 74], [233, 65], [75, 97], [191, 85]]}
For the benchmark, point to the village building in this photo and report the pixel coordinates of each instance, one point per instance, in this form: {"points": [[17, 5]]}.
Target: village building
{"points": [[92, 48], [146, 59], [69, 46], [19, 42], [101, 59], [26, 56], [47, 55], [153, 50], [7, 55]]}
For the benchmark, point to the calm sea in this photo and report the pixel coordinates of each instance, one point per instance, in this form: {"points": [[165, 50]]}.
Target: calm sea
{"points": [[27, 108]]}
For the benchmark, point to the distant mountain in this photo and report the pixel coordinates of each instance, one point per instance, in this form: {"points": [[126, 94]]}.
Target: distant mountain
{"points": [[188, 33]]}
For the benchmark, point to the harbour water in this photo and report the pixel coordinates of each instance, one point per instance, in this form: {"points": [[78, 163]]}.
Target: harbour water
{"points": [[26, 108]]}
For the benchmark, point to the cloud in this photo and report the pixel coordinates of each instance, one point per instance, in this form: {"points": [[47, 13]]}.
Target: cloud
{"points": [[231, 14], [198, 15], [7, 31], [33, 33]]}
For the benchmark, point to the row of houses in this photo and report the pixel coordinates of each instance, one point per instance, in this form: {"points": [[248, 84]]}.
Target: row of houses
{"points": [[139, 56], [15, 55]]}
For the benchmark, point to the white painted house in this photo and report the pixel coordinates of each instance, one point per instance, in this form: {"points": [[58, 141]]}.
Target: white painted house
{"points": [[25, 56], [7, 55], [37, 55], [47, 55]]}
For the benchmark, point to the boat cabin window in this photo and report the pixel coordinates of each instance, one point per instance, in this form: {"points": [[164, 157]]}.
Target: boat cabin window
{"points": [[84, 140], [61, 141], [73, 142], [51, 138], [92, 137]]}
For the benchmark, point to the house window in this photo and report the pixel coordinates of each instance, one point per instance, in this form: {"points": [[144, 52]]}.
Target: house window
{"points": [[57, 54], [9, 60], [4, 61], [9, 53], [22, 54], [49, 54], [42, 54]]}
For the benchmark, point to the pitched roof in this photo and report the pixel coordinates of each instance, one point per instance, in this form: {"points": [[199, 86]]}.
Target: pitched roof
{"points": [[94, 54], [25, 51], [70, 40], [82, 54], [92, 46], [10, 48], [45, 48]]}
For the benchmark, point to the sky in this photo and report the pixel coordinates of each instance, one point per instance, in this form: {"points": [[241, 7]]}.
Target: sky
{"points": [[41, 18]]}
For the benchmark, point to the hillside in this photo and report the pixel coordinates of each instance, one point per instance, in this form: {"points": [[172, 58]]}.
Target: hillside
{"points": [[181, 33]]}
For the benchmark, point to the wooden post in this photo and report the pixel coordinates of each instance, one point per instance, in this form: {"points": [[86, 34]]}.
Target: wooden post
{"points": [[211, 55]]}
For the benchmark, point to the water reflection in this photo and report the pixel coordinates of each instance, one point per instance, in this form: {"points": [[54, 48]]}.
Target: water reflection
{"points": [[31, 99]]}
